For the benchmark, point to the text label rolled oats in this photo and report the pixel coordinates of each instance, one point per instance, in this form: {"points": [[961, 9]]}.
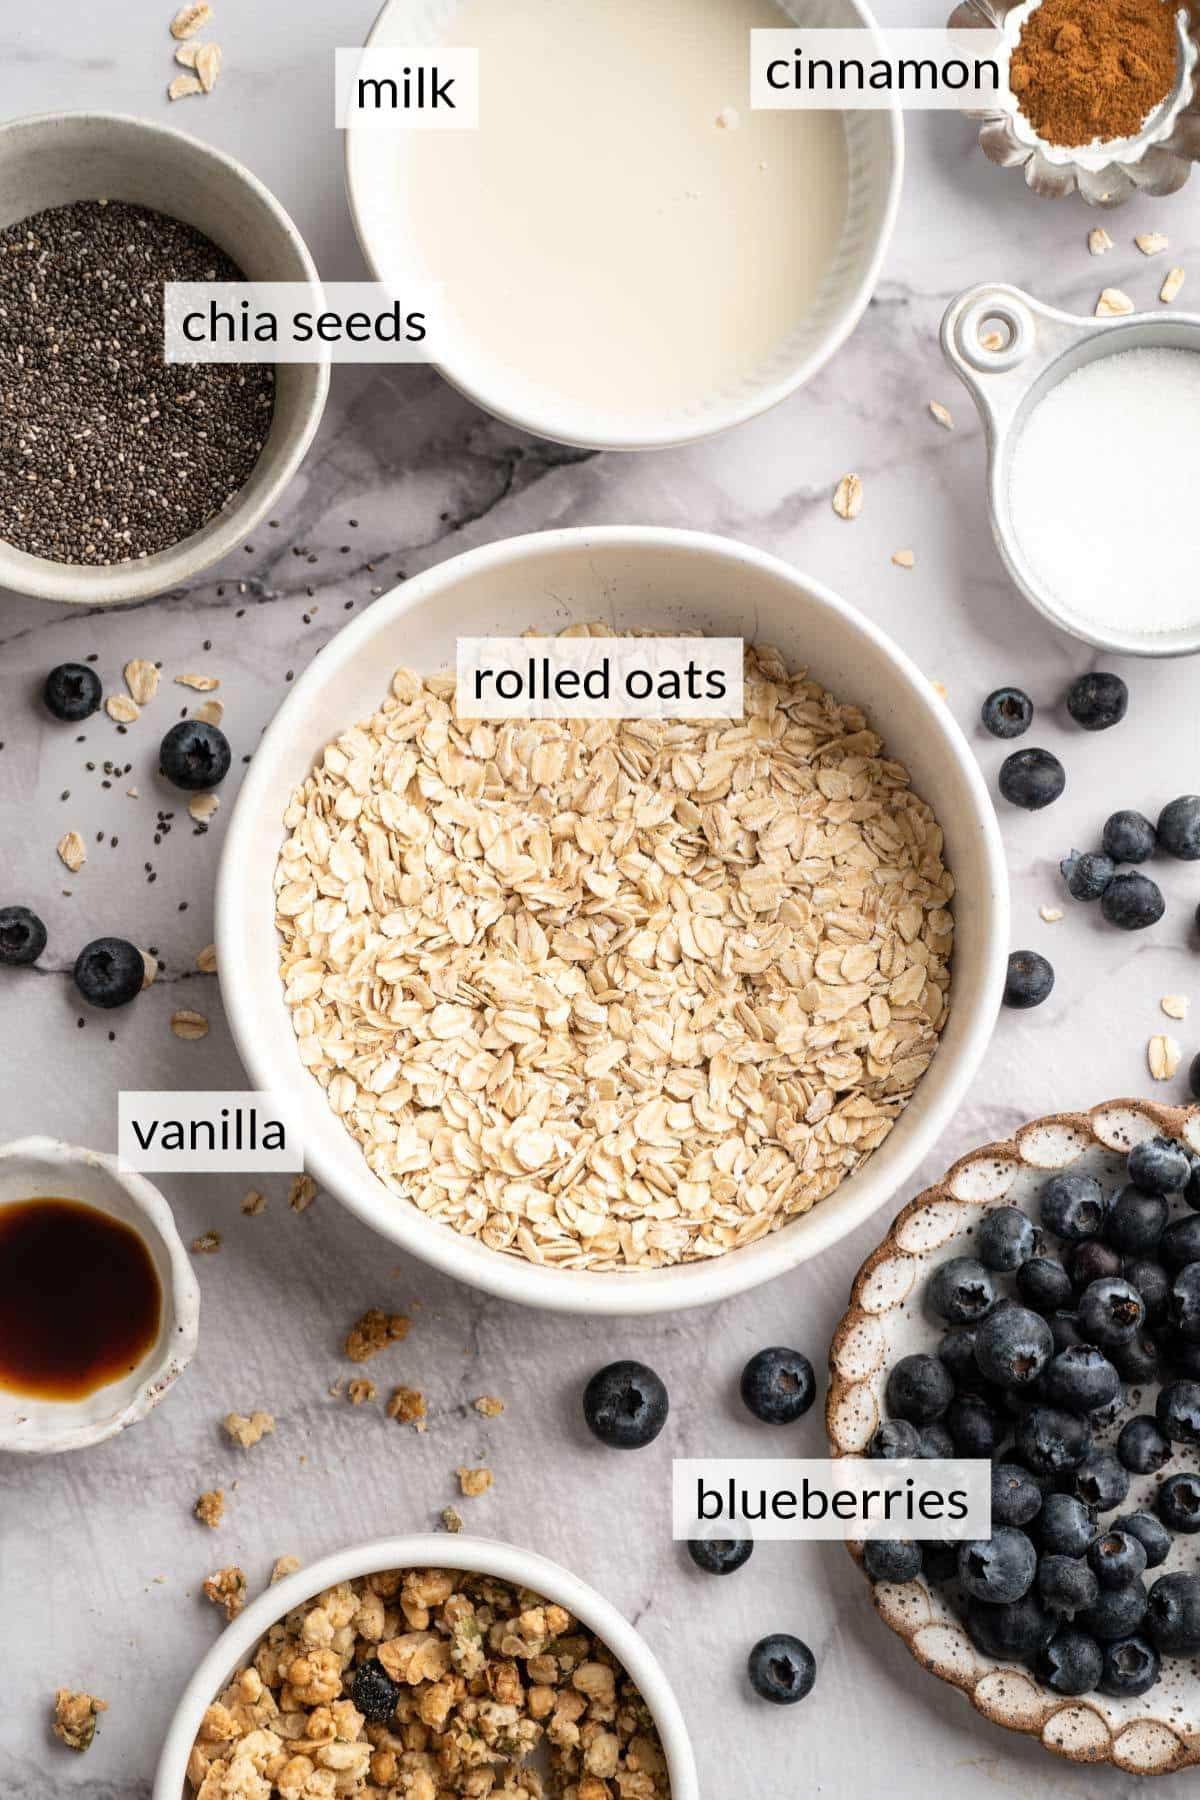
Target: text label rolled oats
{"points": [[582, 676]]}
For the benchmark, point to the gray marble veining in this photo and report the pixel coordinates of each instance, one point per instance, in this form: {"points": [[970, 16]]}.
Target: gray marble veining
{"points": [[100, 1560]]}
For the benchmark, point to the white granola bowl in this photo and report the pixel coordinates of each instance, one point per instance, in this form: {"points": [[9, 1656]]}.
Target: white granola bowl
{"points": [[632, 577], [37, 1168], [481, 1556], [1157, 1733]]}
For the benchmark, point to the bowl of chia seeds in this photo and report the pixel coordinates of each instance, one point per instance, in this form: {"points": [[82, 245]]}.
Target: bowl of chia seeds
{"points": [[121, 475]]}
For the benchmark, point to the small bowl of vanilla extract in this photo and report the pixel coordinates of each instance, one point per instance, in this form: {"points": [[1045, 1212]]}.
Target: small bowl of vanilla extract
{"points": [[99, 1308]]}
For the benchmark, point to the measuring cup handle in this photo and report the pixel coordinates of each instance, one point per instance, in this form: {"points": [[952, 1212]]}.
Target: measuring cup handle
{"points": [[1004, 310]]}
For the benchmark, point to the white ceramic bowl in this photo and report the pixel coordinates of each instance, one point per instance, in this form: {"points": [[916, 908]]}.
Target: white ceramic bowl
{"points": [[57, 158], [481, 1556], [632, 577], [40, 1168], [875, 146]]}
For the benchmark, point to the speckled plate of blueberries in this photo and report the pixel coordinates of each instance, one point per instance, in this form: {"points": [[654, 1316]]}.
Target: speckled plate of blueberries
{"points": [[1040, 1307]]}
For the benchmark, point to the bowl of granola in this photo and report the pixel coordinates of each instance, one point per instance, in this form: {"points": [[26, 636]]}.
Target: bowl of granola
{"points": [[614, 1016], [425, 1667]]}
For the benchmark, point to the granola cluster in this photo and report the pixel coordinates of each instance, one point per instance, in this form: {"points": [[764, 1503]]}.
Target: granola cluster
{"points": [[615, 993], [428, 1684]]}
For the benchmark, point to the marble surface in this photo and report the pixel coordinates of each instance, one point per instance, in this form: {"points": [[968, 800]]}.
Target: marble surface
{"points": [[100, 1561]]}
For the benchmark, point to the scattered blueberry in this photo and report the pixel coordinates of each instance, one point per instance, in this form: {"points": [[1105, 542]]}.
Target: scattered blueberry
{"points": [[778, 1385], [109, 972], [895, 1440], [1173, 1613], [1080, 1379], [1032, 779], [892, 1559], [194, 755], [1110, 1311], [720, 1556], [1177, 1411], [1030, 980], [1066, 1586], [1130, 1667], [1006, 1239], [999, 1568], [1097, 701], [1044, 1284], [919, 1388], [960, 1290], [782, 1669], [1007, 712], [1179, 828], [22, 936], [1158, 1165], [1142, 1448], [1073, 1206], [374, 1692], [1178, 1502], [625, 1405], [1086, 874], [1136, 1220], [1052, 1441], [1132, 902], [1013, 1346], [1150, 1533], [1016, 1497], [1071, 1663], [72, 692], [1129, 837]]}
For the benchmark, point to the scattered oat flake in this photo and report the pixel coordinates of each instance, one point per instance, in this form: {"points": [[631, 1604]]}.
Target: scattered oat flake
{"points": [[248, 1429], [374, 1332], [189, 1025], [452, 1520], [1175, 1005], [1112, 303], [1099, 242], [132, 793], [210, 1507], [203, 684], [475, 1482], [488, 1406], [848, 497], [71, 851], [360, 1391], [1171, 286], [283, 1567], [992, 340], [1050, 914], [185, 55], [254, 1203], [202, 807], [1151, 243], [184, 86], [207, 1244], [190, 19], [227, 1589], [75, 1718], [141, 678], [121, 709], [208, 65], [211, 712], [149, 969], [407, 1404], [942, 414], [301, 1193], [904, 559], [1164, 1056], [206, 960]]}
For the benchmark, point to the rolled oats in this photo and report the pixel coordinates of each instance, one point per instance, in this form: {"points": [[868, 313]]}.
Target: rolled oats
{"points": [[189, 1025], [248, 1430], [302, 1191], [360, 1391], [141, 678], [488, 1406], [190, 19], [475, 1482], [121, 709], [206, 960], [848, 497], [1163, 1055], [254, 1203], [615, 993], [72, 851], [202, 684], [284, 1565]]}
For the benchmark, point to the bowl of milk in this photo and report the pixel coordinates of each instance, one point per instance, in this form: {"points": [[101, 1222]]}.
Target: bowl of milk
{"points": [[625, 254]]}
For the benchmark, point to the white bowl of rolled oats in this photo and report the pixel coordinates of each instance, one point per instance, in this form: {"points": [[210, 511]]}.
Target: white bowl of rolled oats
{"points": [[618, 1017], [415, 1667]]}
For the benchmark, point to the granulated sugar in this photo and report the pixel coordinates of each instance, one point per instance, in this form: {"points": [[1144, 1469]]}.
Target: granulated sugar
{"points": [[1103, 491]]}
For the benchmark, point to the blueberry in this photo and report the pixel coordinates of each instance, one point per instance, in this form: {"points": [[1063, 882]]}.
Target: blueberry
{"points": [[1117, 1558], [1032, 779], [1117, 1613], [1086, 874], [1177, 1410], [109, 972], [720, 1556], [1191, 1192], [1073, 1206], [1000, 1568], [919, 1388], [1138, 1360], [1080, 1379], [782, 1669], [1007, 712], [1194, 1065], [1044, 1284], [1030, 980], [1130, 1667], [1152, 1282], [625, 1405], [1136, 1220], [1150, 1533], [1052, 1441], [1110, 1312], [374, 1692], [894, 1559], [1183, 1357], [1178, 1503], [935, 1441], [1093, 1260], [1159, 1165], [895, 1440], [1065, 1585], [1129, 837], [194, 755], [1132, 902], [22, 936], [1006, 1238], [1100, 1481], [957, 1351], [1180, 1243], [1065, 1526], [1019, 1629], [1016, 1497], [1064, 1329], [960, 1290], [1179, 828], [1173, 1614], [1142, 1448], [778, 1385], [1106, 1416], [972, 1425], [1097, 701], [1183, 1306], [1071, 1663], [72, 692], [1013, 1346]]}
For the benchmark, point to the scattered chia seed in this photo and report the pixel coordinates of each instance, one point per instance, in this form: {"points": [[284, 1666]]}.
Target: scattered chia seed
{"points": [[108, 454]]}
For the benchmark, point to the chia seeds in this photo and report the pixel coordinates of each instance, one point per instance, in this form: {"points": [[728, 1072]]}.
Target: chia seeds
{"points": [[108, 454]]}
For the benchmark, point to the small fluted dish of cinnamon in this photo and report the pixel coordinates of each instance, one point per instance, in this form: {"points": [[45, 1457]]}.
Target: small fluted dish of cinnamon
{"points": [[1102, 96]]}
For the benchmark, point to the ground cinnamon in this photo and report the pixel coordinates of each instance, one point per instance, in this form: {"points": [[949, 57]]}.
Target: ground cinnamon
{"points": [[1087, 69]]}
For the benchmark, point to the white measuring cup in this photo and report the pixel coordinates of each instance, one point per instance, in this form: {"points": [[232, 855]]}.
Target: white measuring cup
{"points": [[1009, 351]]}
